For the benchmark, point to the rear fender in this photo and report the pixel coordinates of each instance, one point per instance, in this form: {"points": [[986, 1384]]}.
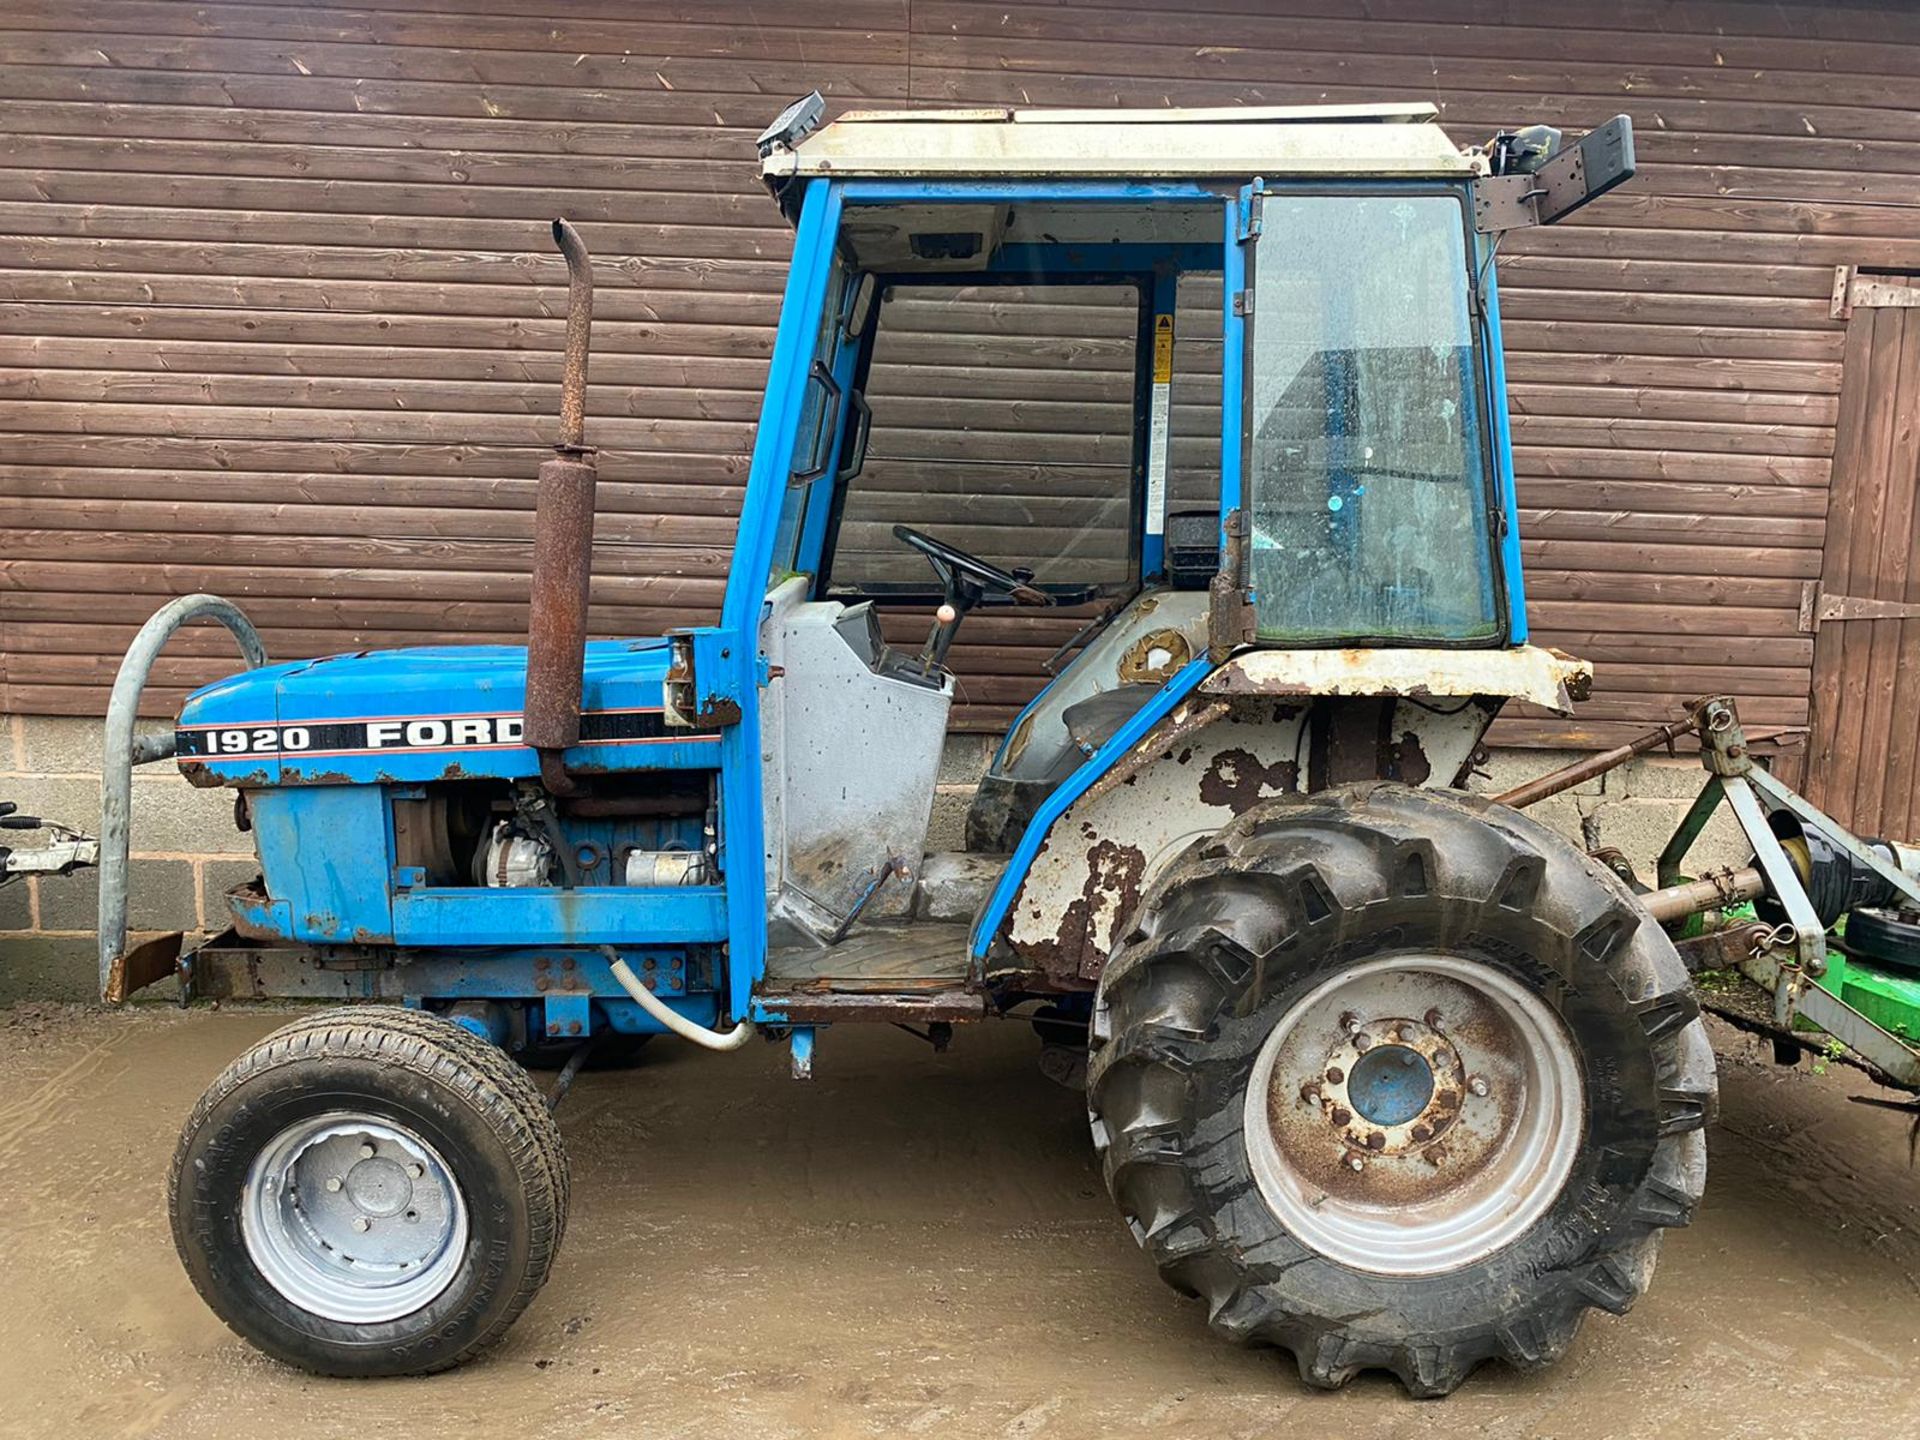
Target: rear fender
{"points": [[1213, 757]]}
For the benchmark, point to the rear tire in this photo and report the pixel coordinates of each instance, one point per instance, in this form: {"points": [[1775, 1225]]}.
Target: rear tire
{"points": [[1423, 1215], [370, 1191]]}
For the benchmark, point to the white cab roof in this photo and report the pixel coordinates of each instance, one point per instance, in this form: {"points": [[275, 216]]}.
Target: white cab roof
{"points": [[1325, 140]]}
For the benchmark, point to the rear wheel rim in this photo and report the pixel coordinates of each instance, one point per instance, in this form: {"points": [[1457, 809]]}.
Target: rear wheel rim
{"points": [[1414, 1114], [354, 1218]]}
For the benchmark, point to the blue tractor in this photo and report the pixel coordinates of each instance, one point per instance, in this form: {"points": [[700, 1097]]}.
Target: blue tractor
{"points": [[1386, 1074]]}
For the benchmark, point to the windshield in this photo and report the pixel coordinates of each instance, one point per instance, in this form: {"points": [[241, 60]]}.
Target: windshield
{"points": [[1370, 498]]}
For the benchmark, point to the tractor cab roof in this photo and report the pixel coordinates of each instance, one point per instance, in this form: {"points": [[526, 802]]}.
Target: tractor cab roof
{"points": [[1330, 141]]}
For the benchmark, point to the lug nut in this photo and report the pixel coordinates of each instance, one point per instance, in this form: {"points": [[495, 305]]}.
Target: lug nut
{"points": [[1376, 1141], [1335, 1074], [362, 1224], [1354, 1162], [1349, 1021], [333, 1185], [416, 1170], [1362, 1041], [1478, 1085], [1432, 1017], [1422, 1134], [366, 1149], [1341, 1116]]}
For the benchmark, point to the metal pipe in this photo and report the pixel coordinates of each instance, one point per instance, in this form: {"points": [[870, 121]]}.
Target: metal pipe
{"points": [[563, 547], [1713, 892], [1568, 776], [123, 750], [573, 379]]}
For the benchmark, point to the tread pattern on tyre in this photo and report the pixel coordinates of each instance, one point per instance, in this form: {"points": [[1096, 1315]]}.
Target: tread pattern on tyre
{"points": [[1233, 918], [492, 1087]]}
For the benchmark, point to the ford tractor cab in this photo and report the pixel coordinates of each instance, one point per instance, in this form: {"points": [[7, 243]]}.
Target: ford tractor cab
{"points": [[1208, 407]]}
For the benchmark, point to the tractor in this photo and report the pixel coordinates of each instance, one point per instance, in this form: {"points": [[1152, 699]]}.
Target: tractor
{"points": [[1387, 1074]]}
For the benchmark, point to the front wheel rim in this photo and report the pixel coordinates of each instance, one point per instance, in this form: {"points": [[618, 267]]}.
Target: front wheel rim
{"points": [[354, 1218], [1415, 1114]]}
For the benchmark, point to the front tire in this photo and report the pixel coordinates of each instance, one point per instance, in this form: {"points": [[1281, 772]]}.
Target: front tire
{"points": [[1529, 1121], [369, 1191]]}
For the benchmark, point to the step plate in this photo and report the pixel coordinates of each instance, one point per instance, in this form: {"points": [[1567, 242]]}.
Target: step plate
{"points": [[886, 959]]}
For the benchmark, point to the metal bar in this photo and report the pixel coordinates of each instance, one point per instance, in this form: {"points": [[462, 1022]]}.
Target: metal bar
{"points": [[1778, 792], [1855, 1031], [1676, 902], [1783, 882], [118, 759], [1580, 771], [1667, 869]]}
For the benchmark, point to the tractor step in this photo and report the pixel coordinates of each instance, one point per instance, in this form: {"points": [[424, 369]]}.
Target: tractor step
{"points": [[895, 974], [882, 958]]}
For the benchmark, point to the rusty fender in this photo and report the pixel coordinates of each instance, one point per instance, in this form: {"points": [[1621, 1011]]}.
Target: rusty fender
{"points": [[1212, 759]]}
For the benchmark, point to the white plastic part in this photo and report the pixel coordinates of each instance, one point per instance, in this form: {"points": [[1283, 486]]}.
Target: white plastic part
{"points": [[679, 1024]]}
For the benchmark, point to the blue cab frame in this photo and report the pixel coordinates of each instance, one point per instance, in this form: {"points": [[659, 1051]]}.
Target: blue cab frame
{"points": [[734, 644]]}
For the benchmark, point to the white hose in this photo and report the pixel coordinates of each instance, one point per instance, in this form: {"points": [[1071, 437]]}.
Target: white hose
{"points": [[679, 1024]]}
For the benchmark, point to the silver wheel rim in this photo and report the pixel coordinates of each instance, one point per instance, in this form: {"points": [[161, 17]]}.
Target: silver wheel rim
{"points": [[1421, 1165], [353, 1219]]}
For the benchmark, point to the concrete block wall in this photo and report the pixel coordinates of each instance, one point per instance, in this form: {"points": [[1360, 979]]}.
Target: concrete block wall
{"points": [[187, 851]]}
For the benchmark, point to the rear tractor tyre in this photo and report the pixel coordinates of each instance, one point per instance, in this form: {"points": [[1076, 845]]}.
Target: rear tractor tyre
{"points": [[1399, 1079], [370, 1191]]}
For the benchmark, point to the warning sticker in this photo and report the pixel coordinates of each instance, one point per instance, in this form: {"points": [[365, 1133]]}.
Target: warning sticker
{"points": [[1162, 349]]}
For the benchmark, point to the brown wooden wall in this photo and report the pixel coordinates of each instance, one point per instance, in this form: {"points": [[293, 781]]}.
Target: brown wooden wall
{"points": [[278, 317]]}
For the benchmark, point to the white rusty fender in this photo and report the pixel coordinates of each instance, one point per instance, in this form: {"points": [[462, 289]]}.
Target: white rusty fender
{"points": [[1179, 783], [1539, 676]]}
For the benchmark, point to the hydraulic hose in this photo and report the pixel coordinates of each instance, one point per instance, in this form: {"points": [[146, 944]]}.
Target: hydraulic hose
{"points": [[679, 1024]]}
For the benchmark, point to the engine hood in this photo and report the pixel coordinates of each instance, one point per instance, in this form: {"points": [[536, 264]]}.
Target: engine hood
{"points": [[426, 713]]}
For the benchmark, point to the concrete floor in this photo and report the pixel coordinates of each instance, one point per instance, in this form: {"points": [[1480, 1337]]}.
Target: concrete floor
{"points": [[914, 1244]]}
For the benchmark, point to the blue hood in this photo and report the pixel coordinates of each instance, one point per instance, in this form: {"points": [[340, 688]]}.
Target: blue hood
{"points": [[432, 712]]}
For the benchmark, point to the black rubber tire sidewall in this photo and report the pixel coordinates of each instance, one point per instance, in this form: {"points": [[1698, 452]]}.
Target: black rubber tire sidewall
{"points": [[1616, 1149], [1241, 927], [212, 1170]]}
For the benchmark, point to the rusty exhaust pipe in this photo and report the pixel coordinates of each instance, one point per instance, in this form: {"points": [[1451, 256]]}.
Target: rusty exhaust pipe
{"points": [[563, 547]]}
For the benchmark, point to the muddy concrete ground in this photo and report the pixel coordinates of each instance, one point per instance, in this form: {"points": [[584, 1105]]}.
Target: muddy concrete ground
{"points": [[914, 1244]]}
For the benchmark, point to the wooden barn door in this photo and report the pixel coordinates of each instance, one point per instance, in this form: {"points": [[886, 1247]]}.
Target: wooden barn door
{"points": [[1864, 757]]}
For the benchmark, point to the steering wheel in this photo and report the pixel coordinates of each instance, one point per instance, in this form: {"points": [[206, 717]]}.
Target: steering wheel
{"points": [[964, 579], [950, 563]]}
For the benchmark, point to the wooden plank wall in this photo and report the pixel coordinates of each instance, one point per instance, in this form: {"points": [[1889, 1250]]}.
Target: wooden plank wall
{"points": [[277, 316]]}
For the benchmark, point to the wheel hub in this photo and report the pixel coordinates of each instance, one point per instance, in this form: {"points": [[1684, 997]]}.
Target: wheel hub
{"points": [[1414, 1146], [1391, 1086], [354, 1218]]}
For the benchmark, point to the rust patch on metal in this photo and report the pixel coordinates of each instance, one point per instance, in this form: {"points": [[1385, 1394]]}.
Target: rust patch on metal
{"points": [[1155, 657], [1114, 875], [1238, 780], [1183, 724], [201, 778], [135, 969], [1351, 1158], [1408, 762]]}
